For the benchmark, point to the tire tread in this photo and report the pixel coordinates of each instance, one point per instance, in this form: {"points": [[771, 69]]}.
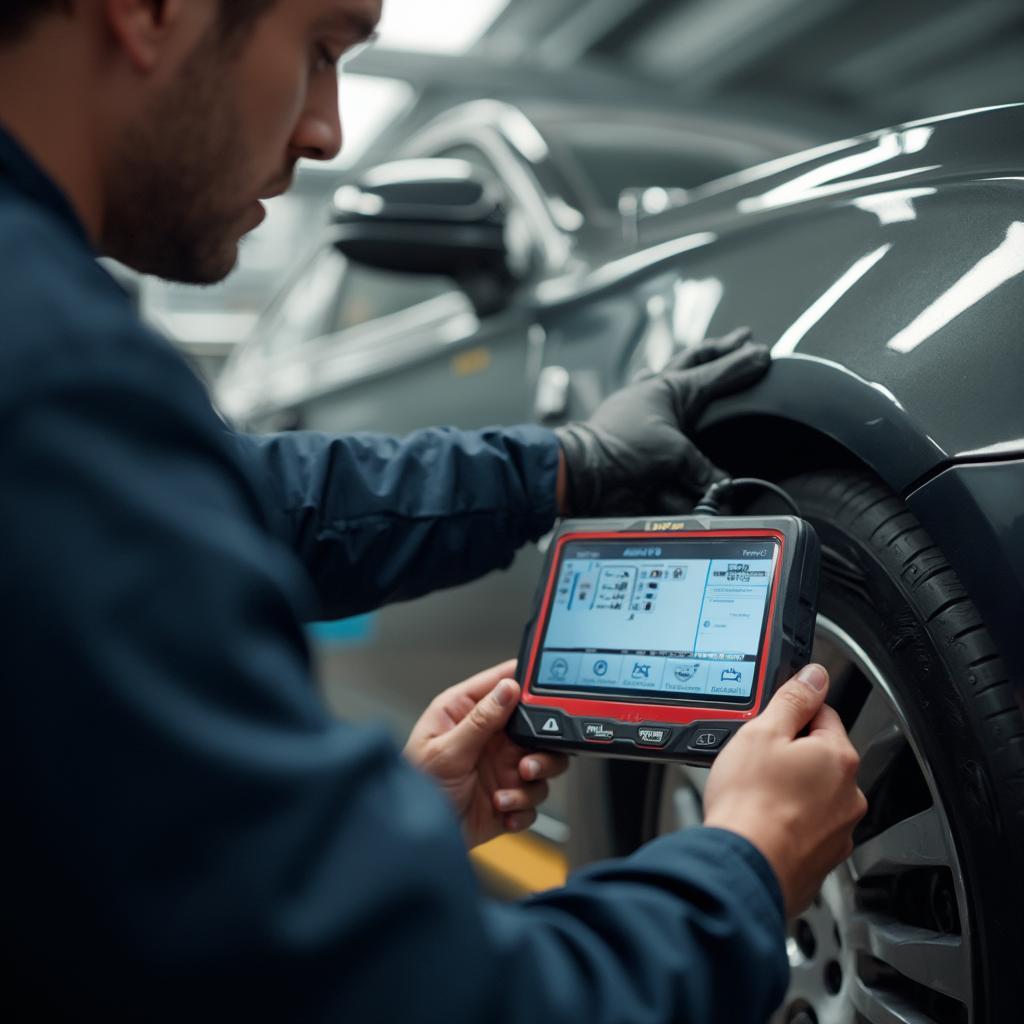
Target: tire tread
{"points": [[879, 519]]}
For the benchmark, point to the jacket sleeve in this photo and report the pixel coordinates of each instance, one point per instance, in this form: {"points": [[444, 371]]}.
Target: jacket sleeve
{"points": [[377, 519], [191, 837]]}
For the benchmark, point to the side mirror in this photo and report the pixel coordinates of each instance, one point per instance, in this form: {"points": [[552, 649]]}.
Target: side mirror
{"points": [[432, 217]]}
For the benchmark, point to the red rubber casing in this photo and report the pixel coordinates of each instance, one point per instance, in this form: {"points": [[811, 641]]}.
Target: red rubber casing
{"points": [[685, 729]]}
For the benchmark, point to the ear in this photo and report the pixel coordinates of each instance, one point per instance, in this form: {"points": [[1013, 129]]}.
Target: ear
{"points": [[143, 29]]}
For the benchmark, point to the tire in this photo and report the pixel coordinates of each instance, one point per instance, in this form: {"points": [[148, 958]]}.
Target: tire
{"points": [[923, 923]]}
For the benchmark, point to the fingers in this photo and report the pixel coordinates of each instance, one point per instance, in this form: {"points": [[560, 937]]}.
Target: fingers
{"points": [[696, 388], [482, 683], [535, 767], [710, 349], [797, 702], [487, 718], [523, 798], [828, 723], [451, 706], [860, 808], [520, 821]]}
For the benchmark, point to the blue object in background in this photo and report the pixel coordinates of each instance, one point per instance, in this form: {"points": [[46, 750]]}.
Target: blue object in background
{"points": [[354, 632]]}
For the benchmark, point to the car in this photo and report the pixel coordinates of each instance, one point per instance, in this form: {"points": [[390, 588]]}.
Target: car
{"points": [[886, 273]]}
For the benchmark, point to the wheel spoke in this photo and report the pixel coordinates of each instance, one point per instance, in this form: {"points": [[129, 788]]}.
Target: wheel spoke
{"points": [[874, 717], [878, 738], [918, 841], [881, 1007], [686, 807], [804, 973], [933, 959]]}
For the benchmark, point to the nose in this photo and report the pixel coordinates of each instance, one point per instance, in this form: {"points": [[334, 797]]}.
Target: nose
{"points": [[317, 135]]}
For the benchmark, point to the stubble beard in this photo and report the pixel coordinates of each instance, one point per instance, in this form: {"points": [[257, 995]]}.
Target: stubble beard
{"points": [[175, 206]]}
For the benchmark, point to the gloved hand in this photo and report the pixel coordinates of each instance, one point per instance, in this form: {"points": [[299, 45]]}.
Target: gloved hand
{"points": [[632, 455]]}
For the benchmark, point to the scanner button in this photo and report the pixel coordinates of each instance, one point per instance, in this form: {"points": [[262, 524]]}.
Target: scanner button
{"points": [[547, 723], [705, 739], [652, 735], [598, 732]]}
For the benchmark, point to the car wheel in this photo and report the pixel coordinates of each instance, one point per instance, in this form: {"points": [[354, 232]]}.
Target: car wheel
{"points": [[922, 924]]}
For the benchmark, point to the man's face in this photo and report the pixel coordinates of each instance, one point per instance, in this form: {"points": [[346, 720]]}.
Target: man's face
{"points": [[224, 130]]}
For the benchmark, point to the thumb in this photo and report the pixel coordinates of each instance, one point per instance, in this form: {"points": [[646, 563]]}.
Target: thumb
{"points": [[488, 717], [797, 701]]}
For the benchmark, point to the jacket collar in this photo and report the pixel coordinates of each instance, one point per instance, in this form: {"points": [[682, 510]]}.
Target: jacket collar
{"points": [[22, 171]]}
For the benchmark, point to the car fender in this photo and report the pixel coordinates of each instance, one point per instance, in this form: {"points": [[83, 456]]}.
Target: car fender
{"points": [[973, 507], [863, 417]]}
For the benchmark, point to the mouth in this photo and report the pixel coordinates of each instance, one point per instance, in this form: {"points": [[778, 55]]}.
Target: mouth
{"points": [[278, 189]]}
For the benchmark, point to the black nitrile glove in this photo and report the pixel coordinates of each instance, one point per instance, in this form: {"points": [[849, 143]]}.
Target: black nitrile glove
{"points": [[633, 455]]}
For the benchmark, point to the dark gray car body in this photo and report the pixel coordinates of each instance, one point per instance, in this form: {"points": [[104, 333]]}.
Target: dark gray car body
{"points": [[888, 274], [886, 271]]}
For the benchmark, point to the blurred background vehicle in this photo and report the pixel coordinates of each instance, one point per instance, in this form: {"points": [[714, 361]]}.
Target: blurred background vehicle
{"points": [[596, 184]]}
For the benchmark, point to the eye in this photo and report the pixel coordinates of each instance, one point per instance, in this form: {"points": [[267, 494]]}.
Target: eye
{"points": [[325, 60]]}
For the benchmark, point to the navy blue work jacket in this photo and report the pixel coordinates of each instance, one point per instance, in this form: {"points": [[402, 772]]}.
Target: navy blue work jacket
{"points": [[188, 835]]}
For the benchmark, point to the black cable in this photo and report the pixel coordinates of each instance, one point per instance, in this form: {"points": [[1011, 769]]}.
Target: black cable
{"points": [[720, 492]]}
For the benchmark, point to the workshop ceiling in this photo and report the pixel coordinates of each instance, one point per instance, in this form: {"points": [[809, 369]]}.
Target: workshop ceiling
{"points": [[868, 62]]}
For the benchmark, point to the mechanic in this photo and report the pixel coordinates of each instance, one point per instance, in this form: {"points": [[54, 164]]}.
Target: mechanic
{"points": [[189, 834]]}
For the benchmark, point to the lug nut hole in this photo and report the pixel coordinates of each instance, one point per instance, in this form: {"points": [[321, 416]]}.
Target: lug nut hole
{"points": [[833, 977], [805, 939]]}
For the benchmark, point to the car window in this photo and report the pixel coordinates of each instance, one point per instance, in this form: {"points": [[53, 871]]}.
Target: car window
{"points": [[303, 311], [608, 160], [368, 294], [612, 171]]}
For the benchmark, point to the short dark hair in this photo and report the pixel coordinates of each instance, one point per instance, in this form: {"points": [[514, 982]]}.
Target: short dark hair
{"points": [[17, 15]]}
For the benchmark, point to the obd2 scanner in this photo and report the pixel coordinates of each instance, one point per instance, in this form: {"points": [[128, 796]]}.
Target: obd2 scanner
{"points": [[658, 638]]}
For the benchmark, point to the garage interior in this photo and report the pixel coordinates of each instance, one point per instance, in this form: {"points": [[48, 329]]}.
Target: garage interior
{"points": [[817, 69], [804, 72]]}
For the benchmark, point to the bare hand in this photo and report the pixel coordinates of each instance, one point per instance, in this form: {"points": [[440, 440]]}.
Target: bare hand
{"points": [[461, 741], [796, 799]]}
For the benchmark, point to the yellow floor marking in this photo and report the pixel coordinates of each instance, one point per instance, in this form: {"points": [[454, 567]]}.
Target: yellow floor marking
{"points": [[520, 864]]}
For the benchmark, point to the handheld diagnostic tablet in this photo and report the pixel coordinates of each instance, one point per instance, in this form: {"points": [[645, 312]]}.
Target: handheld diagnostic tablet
{"points": [[659, 638]]}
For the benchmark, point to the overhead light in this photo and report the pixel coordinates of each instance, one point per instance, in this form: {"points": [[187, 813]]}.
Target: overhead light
{"points": [[368, 105], [451, 27]]}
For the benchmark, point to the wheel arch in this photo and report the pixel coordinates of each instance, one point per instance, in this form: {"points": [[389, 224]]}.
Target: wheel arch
{"points": [[810, 413]]}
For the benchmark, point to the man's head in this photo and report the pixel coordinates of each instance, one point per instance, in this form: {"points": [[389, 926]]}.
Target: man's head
{"points": [[196, 109]]}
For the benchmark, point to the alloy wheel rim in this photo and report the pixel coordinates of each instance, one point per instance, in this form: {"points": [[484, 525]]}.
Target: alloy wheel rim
{"points": [[861, 952]]}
